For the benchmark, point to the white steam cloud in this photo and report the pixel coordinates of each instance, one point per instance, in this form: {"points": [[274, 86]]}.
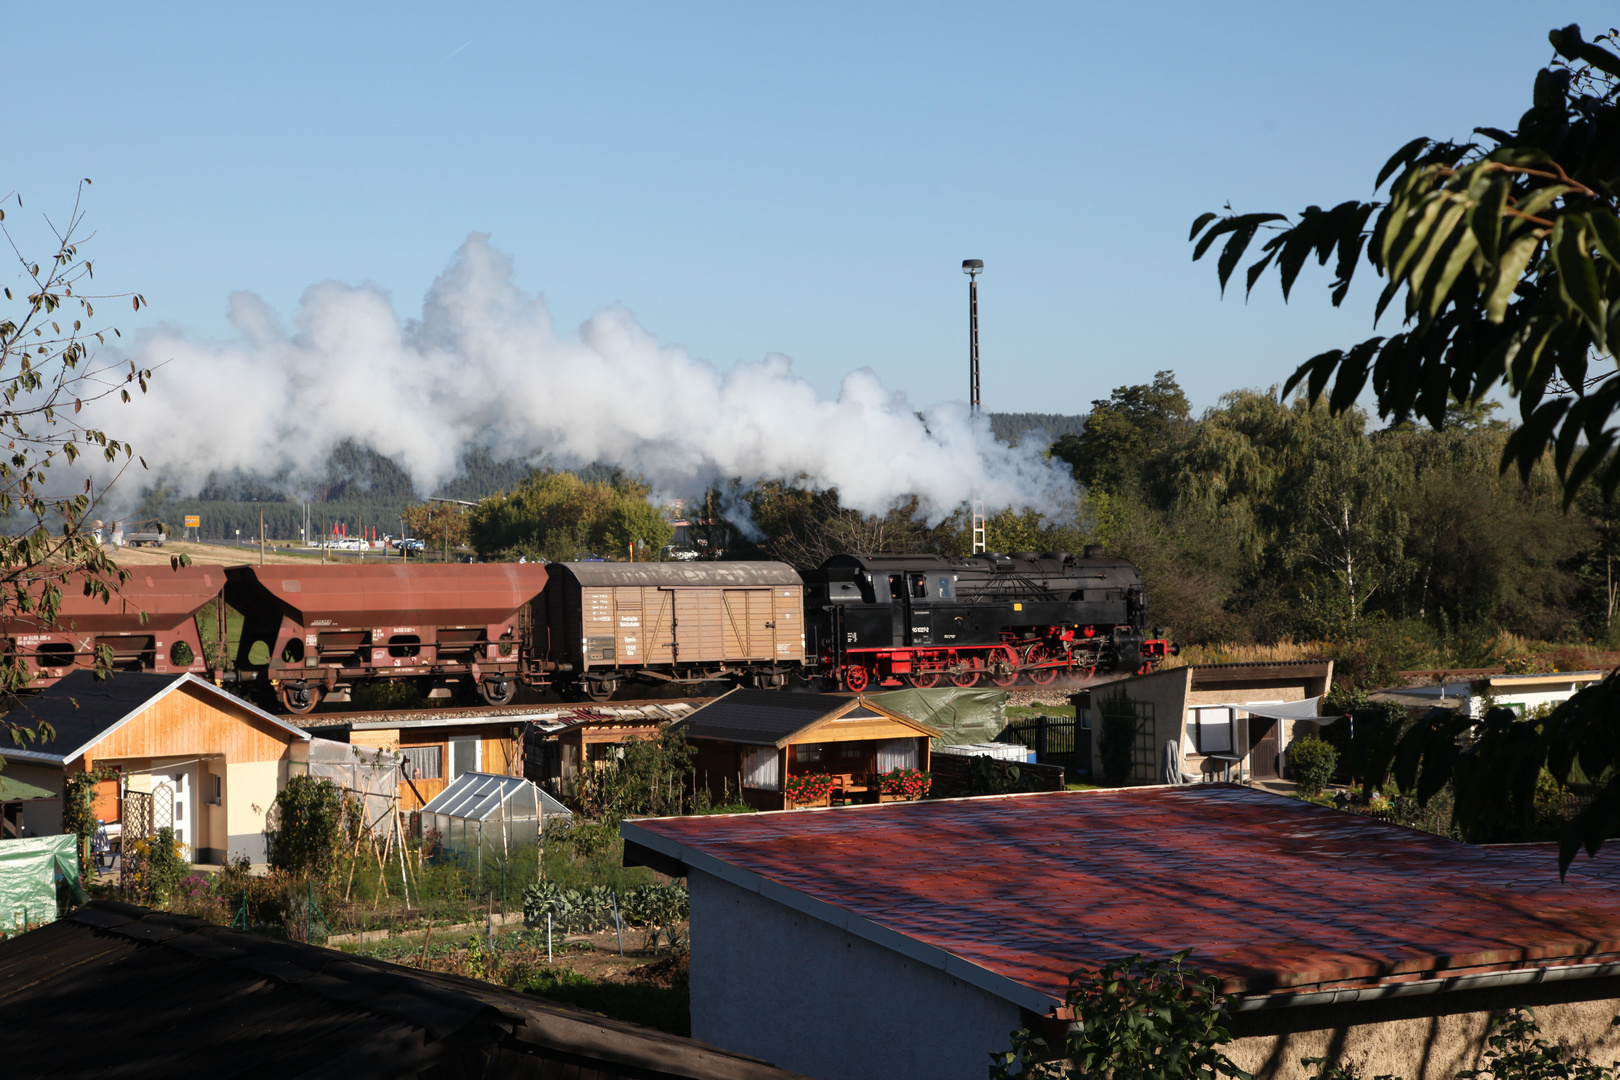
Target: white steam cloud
{"points": [[483, 366]]}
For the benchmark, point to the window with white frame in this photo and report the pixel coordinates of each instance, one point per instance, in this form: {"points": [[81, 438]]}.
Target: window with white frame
{"points": [[464, 755], [761, 769], [1211, 729]]}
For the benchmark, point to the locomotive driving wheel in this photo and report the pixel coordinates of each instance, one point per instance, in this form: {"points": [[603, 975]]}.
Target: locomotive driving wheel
{"points": [[922, 680], [967, 673], [300, 698], [1041, 653], [1003, 666], [856, 678]]}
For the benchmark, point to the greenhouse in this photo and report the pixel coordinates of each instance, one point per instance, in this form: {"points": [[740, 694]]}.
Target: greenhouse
{"points": [[485, 815]]}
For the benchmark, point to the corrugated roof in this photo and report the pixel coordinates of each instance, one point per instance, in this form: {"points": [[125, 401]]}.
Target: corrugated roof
{"points": [[82, 710], [678, 574], [169, 995], [478, 796], [1270, 892]]}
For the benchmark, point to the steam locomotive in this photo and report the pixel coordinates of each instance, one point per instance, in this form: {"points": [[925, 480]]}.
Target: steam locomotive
{"points": [[310, 634]]}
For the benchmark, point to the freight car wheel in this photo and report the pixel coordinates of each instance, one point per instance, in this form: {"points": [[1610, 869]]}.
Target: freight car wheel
{"points": [[498, 691], [600, 691], [300, 699], [923, 680], [856, 678], [1041, 653]]}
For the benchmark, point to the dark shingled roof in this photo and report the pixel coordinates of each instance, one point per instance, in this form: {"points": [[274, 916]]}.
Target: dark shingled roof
{"points": [[80, 708], [759, 717], [115, 988]]}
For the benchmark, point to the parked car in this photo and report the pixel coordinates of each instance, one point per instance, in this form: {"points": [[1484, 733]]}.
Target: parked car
{"points": [[408, 543]]}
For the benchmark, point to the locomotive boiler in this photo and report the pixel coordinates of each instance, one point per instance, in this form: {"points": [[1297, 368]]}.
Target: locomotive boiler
{"points": [[927, 619]]}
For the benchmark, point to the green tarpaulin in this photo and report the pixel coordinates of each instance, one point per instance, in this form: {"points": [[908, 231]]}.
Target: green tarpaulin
{"points": [[28, 871], [961, 716]]}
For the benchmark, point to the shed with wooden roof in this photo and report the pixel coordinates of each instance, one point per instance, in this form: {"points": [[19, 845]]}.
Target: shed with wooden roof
{"points": [[758, 746]]}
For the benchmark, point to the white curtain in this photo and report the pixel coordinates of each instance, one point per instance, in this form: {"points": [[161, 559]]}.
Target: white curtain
{"points": [[760, 769], [896, 754]]}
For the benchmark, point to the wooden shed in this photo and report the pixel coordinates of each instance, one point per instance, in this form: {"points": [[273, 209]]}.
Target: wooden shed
{"points": [[437, 749], [188, 755], [752, 744]]}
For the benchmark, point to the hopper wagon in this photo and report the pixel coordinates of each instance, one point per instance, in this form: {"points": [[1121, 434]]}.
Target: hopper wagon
{"points": [[310, 632], [148, 624]]}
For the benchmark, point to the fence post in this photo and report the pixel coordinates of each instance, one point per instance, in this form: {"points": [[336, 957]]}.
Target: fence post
{"points": [[1040, 740]]}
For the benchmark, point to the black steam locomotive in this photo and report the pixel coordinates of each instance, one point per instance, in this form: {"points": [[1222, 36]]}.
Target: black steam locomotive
{"points": [[925, 619]]}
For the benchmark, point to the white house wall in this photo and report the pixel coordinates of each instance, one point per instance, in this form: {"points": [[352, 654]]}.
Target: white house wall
{"points": [[792, 990]]}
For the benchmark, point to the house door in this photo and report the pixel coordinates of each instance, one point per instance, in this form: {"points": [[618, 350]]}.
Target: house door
{"points": [[173, 791], [1262, 747]]}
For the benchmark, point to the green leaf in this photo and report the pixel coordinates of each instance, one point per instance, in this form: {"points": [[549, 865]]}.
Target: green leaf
{"points": [[1401, 157], [1577, 276], [1509, 272]]}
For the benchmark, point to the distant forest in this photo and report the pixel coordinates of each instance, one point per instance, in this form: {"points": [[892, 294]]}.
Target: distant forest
{"points": [[363, 489]]}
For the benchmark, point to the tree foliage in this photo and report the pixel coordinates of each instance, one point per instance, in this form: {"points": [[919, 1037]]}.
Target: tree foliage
{"points": [[559, 517], [1505, 253], [49, 370]]}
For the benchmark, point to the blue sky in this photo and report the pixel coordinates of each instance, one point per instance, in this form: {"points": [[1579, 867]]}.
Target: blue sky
{"points": [[750, 178]]}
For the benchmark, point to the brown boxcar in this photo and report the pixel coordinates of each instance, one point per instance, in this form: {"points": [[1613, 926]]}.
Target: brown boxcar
{"points": [[165, 641], [682, 622], [312, 630]]}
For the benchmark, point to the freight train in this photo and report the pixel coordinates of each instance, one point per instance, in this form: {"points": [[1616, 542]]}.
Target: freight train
{"points": [[309, 634]]}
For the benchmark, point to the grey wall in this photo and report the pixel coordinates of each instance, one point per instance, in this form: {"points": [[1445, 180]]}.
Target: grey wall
{"points": [[807, 996]]}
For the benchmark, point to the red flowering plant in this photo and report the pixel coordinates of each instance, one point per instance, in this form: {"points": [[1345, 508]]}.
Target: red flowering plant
{"points": [[809, 788], [908, 782]]}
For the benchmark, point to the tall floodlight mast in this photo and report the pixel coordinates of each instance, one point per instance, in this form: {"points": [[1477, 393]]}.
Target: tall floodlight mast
{"points": [[973, 268]]}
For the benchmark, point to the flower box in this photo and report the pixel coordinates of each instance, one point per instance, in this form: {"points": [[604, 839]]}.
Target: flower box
{"points": [[901, 784], [810, 789]]}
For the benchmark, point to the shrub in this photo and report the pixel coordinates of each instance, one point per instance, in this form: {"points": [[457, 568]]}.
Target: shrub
{"points": [[1311, 761], [305, 830], [157, 864]]}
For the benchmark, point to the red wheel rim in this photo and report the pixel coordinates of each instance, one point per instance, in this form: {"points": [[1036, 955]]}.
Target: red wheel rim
{"points": [[923, 680], [1004, 655], [1040, 653], [969, 676], [855, 678]]}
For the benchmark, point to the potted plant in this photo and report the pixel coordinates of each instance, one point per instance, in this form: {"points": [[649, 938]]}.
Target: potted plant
{"points": [[897, 785], [809, 789]]}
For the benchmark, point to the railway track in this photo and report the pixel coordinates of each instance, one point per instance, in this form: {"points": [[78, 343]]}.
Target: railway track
{"points": [[483, 712]]}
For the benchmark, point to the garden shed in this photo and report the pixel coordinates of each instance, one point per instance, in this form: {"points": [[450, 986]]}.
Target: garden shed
{"points": [[485, 813], [777, 751]]}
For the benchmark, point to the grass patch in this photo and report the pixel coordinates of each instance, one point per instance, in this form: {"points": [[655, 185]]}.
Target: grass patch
{"points": [[665, 1007], [1022, 711]]}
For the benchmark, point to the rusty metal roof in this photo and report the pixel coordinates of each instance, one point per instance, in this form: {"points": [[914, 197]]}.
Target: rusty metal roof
{"points": [[165, 595], [155, 994], [1270, 892], [736, 575], [363, 596]]}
